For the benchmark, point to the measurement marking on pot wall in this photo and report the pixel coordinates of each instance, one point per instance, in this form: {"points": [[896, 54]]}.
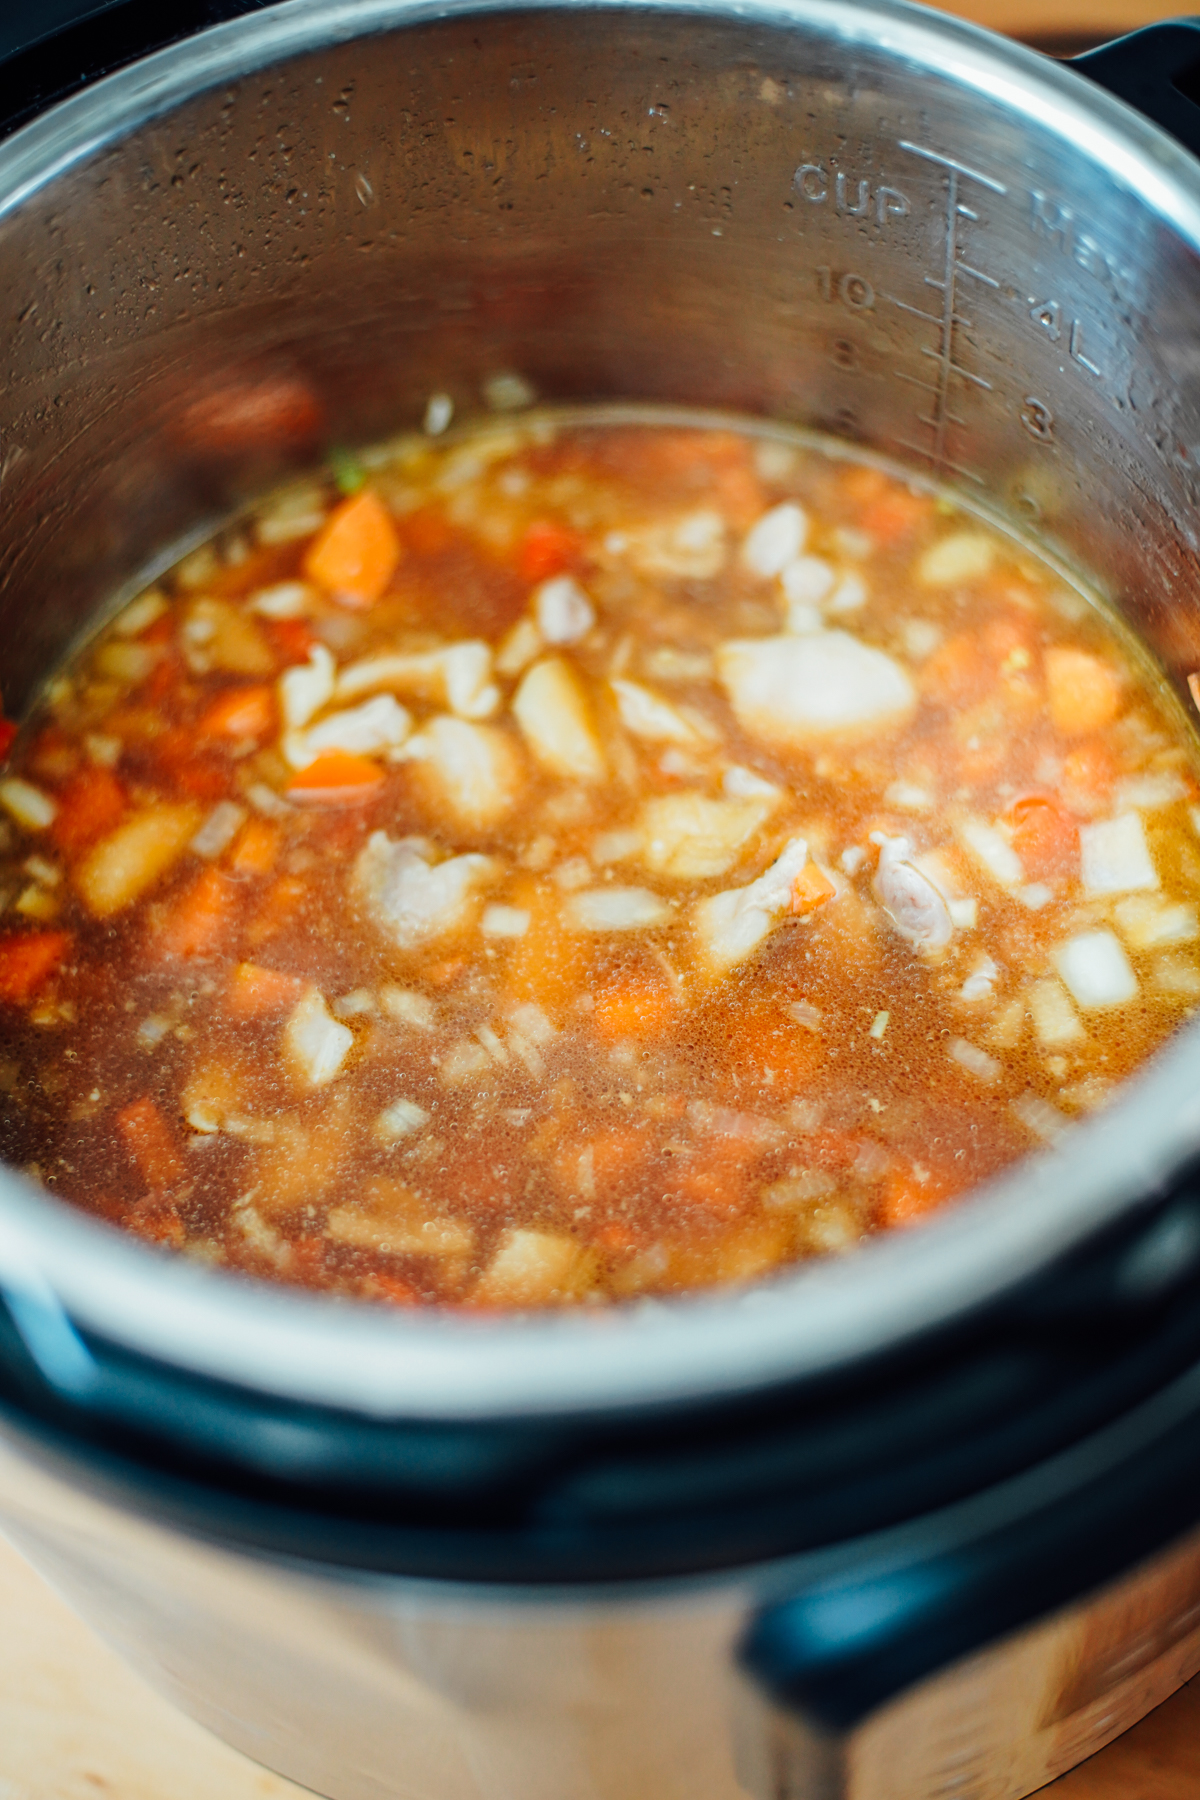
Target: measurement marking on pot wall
{"points": [[948, 318]]}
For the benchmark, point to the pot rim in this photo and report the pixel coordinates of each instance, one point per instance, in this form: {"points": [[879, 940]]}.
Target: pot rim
{"points": [[57, 1265]]}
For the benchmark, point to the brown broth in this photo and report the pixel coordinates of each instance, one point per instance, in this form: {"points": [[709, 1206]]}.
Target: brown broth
{"points": [[217, 1036]]}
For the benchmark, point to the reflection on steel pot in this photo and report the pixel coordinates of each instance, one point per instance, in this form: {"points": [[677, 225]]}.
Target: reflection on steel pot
{"points": [[920, 1521]]}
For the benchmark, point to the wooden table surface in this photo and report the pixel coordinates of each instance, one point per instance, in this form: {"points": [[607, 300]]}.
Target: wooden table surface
{"points": [[76, 1724]]}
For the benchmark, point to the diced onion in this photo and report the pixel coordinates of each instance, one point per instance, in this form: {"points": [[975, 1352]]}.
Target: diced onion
{"points": [[1096, 969], [1114, 856], [617, 909]]}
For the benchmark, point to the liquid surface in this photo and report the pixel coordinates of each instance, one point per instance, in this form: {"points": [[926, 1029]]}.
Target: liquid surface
{"points": [[583, 861]]}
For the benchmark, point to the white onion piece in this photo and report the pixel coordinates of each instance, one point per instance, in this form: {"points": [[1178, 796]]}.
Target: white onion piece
{"points": [[1114, 856], [1096, 969]]}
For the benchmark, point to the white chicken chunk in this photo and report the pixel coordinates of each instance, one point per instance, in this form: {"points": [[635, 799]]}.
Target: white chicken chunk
{"points": [[314, 1044], [916, 908], [458, 676], [305, 689], [415, 900], [795, 691], [563, 611], [647, 715], [730, 926], [775, 540], [473, 772], [367, 730], [552, 711], [688, 837]]}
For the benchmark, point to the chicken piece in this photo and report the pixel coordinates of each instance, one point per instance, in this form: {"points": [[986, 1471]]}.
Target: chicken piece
{"points": [[795, 691], [563, 611], [647, 715], [730, 926], [552, 711], [458, 676], [920, 913], [690, 548], [414, 900], [473, 772], [687, 837], [314, 1045], [306, 688], [367, 730]]}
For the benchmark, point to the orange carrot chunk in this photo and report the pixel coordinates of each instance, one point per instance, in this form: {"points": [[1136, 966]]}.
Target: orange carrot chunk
{"points": [[355, 553], [811, 888], [1044, 835], [1083, 692], [148, 1139], [240, 712], [906, 1200], [27, 960], [201, 919], [8, 732], [547, 549], [254, 992], [632, 1009], [91, 804], [255, 848], [338, 778]]}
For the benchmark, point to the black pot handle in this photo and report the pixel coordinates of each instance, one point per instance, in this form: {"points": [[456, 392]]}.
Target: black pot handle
{"points": [[823, 1661], [1157, 70]]}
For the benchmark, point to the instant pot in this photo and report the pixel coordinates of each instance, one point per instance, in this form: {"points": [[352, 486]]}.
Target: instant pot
{"points": [[921, 1522]]}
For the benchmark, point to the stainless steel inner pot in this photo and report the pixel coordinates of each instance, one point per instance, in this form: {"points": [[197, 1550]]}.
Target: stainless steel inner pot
{"points": [[860, 218], [864, 218]]}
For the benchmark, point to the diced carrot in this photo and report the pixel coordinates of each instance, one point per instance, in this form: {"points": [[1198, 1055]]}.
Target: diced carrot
{"points": [[632, 1008], [547, 549], [906, 1200], [149, 1141], [618, 1239], [958, 671], [200, 920], [717, 1189], [1089, 772], [1083, 691], [8, 732], [1044, 835], [91, 804], [447, 969], [811, 888], [354, 555], [287, 895], [338, 778], [255, 848], [391, 1289], [861, 484], [254, 992], [293, 638], [896, 514], [240, 712], [27, 960]]}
